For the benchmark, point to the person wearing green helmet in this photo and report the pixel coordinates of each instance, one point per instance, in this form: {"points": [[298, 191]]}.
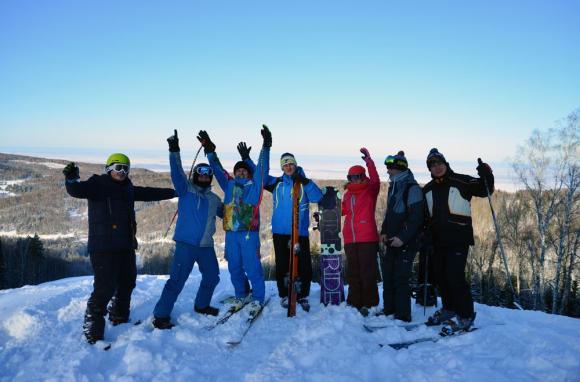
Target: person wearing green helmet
{"points": [[112, 238]]}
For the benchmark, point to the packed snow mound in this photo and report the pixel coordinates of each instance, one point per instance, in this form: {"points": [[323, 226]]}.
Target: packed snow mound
{"points": [[41, 339]]}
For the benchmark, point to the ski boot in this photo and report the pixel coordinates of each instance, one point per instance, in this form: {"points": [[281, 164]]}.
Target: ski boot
{"points": [[440, 317], [208, 310], [304, 304], [364, 311], [238, 303], [460, 325], [162, 323], [94, 328], [255, 308], [117, 319]]}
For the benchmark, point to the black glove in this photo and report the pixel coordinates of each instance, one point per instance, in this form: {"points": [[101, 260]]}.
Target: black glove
{"points": [[244, 150], [267, 136], [173, 142], [208, 145], [71, 171], [483, 169], [296, 177]]}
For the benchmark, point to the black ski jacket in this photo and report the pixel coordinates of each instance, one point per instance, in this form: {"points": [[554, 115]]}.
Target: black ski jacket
{"points": [[112, 225], [404, 215], [448, 202]]}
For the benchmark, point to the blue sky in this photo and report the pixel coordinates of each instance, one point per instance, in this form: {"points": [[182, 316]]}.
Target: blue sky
{"points": [[471, 78]]}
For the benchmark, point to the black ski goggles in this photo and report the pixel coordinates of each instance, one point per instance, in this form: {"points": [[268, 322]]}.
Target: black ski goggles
{"points": [[204, 170], [118, 167], [355, 177]]}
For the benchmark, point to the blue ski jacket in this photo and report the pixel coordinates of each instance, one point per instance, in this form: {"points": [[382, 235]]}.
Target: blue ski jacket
{"points": [[197, 208], [281, 189]]}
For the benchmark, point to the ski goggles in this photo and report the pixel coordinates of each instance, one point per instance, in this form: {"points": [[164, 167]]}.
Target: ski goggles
{"points": [[204, 170], [355, 177], [118, 167], [390, 161]]}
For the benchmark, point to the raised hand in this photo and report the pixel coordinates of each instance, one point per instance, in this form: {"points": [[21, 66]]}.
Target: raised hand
{"points": [[173, 142], [267, 136], [208, 145], [244, 150], [366, 155], [71, 171]]}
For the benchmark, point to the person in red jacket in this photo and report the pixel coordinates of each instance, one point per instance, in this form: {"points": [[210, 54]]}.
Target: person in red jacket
{"points": [[361, 239]]}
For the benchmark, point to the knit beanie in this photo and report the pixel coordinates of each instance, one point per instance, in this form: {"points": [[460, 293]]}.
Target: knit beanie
{"points": [[435, 155], [287, 158]]}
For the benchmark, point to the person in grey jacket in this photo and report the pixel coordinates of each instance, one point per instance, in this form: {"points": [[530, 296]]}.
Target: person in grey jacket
{"points": [[400, 234]]}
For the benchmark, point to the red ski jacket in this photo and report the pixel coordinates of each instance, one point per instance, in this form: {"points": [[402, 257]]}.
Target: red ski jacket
{"points": [[358, 207]]}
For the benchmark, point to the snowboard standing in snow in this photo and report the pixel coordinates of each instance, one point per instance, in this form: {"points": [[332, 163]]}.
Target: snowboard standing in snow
{"points": [[293, 281], [329, 219]]}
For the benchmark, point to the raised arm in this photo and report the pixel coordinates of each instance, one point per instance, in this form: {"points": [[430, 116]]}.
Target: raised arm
{"points": [[151, 194], [209, 148], [375, 181], [178, 176], [73, 184], [263, 167]]}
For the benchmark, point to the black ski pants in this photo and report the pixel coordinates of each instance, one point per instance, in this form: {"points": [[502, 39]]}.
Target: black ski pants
{"points": [[397, 265], [115, 276], [449, 263], [282, 254], [361, 274]]}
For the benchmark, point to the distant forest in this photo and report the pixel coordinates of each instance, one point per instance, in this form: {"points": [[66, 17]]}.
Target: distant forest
{"points": [[539, 226]]}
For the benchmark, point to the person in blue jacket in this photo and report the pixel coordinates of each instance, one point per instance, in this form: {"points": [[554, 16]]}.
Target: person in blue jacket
{"points": [[281, 189], [242, 197], [112, 238], [197, 209]]}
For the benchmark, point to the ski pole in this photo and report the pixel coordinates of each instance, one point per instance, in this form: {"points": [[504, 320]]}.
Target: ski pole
{"points": [[188, 178], [425, 283], [497, 234]]}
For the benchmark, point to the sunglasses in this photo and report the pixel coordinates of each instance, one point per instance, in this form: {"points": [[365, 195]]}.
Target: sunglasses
{"points": [[204, 170], [117, 167], [354, 177]]}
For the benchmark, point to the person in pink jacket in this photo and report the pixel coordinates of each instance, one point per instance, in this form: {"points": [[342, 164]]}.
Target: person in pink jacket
{"points": [[361, 238]]}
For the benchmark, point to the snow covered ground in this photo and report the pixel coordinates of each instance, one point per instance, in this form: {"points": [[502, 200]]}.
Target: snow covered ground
{"points": [[40, 339], [4, 185]]}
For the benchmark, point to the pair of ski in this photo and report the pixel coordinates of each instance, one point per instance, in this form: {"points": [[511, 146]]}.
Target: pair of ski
{"points": [[247, 324], [443, 333]]}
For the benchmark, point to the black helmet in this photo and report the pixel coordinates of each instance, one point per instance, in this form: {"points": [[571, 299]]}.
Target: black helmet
{"points": [[202, 169]]}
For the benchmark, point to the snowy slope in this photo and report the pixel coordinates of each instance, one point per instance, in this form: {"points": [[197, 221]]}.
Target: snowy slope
{"points": [[40, 339]]}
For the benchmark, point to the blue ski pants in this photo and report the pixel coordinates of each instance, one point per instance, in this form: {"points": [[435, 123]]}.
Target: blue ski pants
{"points": [[184, 258], [243, 256]]}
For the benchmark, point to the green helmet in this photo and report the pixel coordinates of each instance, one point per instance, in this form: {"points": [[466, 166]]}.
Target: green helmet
{"points": [[118, 158]]}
